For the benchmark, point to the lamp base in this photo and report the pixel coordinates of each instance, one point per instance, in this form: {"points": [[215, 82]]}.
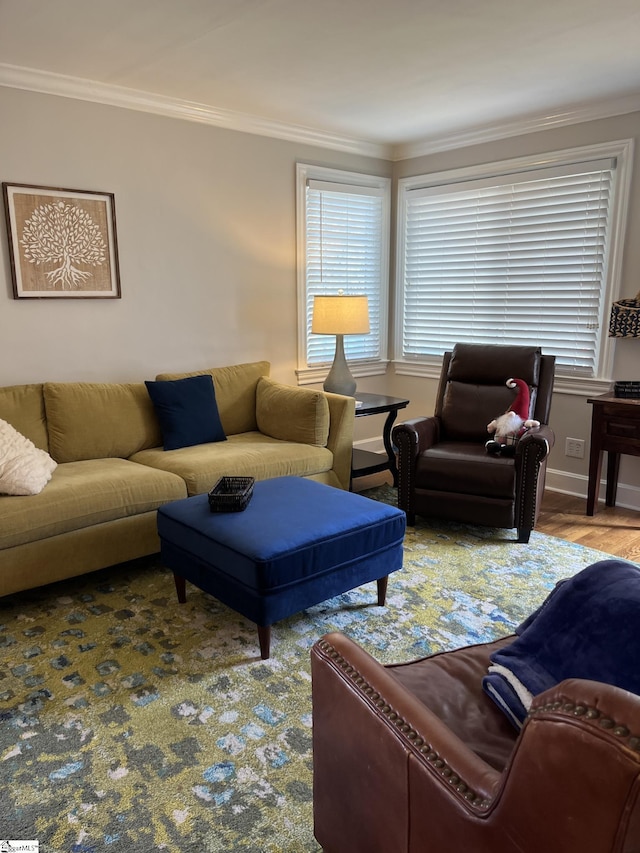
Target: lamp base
{"points": [[339, 379]]}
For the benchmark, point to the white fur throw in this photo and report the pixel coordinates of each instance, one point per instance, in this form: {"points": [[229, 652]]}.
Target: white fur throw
{"points": [[24, 468]]}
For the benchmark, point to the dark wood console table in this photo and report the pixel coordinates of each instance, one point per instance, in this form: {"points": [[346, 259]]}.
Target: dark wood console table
{"points": [[366, 462], [615, 427]]}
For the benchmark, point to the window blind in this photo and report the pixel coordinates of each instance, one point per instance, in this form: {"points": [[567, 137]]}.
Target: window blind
{"points": [[344, 253], [514, 259]]}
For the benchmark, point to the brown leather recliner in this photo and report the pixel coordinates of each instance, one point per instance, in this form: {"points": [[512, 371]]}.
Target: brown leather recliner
{"points": [[444, 470], [415, 758]]}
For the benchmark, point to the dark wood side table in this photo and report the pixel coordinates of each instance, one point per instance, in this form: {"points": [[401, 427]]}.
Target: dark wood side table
{"points": [[365, 462], [615, 427]]}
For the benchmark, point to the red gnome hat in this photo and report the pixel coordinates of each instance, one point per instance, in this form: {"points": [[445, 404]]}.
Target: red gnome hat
{"points": [[521, 404]]}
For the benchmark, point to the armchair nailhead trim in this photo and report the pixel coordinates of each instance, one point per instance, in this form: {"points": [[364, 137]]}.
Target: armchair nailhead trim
{"points": [[590, 713], [412, 736]]}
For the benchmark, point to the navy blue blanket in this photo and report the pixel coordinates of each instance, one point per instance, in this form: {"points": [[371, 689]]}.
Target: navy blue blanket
{"points": [[588, 627]]}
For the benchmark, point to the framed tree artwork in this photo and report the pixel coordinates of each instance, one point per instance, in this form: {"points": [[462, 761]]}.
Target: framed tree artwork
{"points": [[62, 243]]}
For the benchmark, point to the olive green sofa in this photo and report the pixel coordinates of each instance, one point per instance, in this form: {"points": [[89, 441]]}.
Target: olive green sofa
{"points": [[99, 507]]}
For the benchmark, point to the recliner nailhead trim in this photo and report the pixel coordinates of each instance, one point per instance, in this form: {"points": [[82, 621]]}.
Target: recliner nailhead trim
{"points": [[590, 713], [405, 441], [414, 739], [536, 460]]}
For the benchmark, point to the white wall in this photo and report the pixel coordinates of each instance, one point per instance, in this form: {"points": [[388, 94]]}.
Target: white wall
{"points": [[570, 414], [206, 237]]}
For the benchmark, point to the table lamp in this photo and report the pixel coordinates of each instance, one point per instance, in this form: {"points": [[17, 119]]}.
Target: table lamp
{"points": [[340, 315]]}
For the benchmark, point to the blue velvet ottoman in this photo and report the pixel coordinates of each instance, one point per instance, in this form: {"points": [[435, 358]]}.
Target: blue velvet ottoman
{"points": [[296, 544]]}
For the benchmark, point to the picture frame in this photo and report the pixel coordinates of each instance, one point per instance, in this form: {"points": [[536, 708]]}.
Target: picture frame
{"points": [[62, 242]]}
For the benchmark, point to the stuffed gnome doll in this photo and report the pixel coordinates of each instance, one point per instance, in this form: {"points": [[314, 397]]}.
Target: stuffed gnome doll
{"points": [[509, 427]]}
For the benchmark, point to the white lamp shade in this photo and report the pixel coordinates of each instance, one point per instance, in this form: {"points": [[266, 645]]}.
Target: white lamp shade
{"points": [[340, 315]]}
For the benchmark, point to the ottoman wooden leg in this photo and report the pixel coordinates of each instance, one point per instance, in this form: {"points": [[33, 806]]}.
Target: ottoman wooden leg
{"points": [[382, 590], [264, 635], [181, 588]]}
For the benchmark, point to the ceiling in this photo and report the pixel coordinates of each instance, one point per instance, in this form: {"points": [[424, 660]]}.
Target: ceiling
{"points": [[382, 72]]}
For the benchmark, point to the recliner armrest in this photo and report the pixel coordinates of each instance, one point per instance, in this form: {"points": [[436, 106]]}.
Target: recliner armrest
{"points": [[367, 727], [407, 718], [412, 438], [537, 436], [601, 708], [531, 453], [417, 435]]}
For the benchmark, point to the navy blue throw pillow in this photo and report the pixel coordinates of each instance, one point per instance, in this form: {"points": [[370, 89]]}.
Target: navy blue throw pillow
{"points": [[187, 411]]}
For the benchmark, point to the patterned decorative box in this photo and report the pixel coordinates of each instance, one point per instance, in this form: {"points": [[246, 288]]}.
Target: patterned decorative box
{"points": [[625, 318]]}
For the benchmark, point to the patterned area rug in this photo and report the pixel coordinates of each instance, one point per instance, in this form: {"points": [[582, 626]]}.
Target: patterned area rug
{"points": [[131, 723]]}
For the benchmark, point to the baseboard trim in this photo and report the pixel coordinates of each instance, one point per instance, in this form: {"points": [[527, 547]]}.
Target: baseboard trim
{"points": [[628, 497]]}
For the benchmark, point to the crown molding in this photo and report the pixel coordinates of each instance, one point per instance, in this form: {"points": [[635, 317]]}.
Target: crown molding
{"points": [[532, 124], [33, 80]]}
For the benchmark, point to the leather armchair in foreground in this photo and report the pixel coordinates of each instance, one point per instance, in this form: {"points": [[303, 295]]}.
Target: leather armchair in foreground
{"points": [[444, 470], [416, 758]]}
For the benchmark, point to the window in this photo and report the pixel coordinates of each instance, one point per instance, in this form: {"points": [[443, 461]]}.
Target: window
{"points": [[518, 252], [343, 245]]}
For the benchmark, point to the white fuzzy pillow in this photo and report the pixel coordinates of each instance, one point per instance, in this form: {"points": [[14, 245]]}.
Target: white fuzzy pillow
{"points": [[24, 468]]}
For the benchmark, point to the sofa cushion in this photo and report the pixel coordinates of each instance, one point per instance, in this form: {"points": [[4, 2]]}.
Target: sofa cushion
{"points": [[187, 411], [23, 407], [235, 388], [24, 468], [96, 420], [85, 493], [291, 413], [249, 454]]}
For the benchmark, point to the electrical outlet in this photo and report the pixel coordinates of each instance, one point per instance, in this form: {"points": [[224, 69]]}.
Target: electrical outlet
{"points": [[574, 447]]}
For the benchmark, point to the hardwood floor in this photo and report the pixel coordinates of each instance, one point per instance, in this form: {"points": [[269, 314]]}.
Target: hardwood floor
{"points": [[613, 530]]}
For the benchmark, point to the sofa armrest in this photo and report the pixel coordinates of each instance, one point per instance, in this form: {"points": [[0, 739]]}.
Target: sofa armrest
{"points": [[342, 415]]}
